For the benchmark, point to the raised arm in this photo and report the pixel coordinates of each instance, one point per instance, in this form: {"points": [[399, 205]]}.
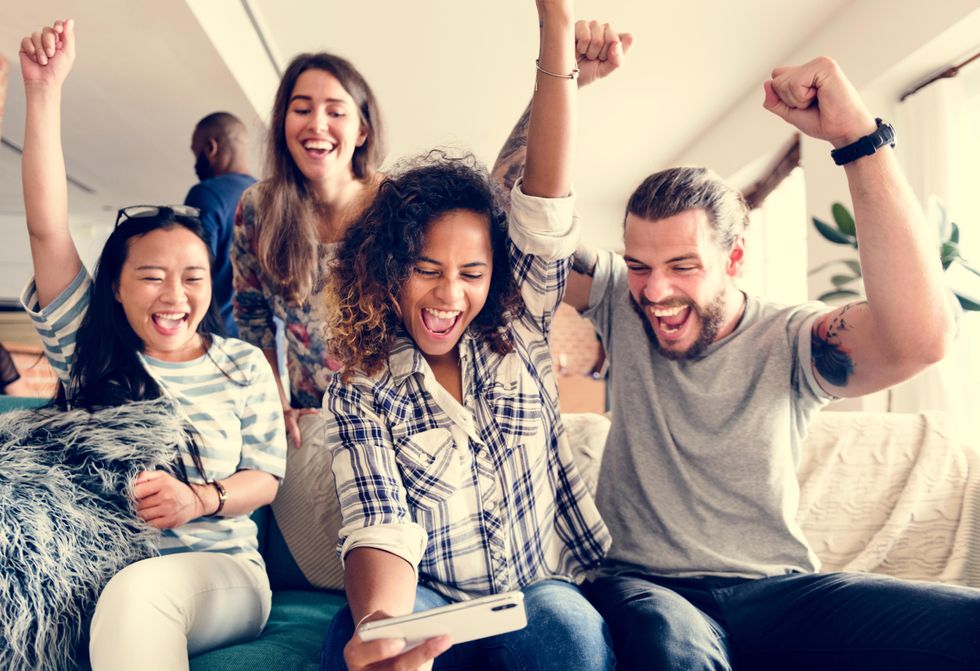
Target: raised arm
{"points": [[906, 324], [46, 57], [599, 50], [551, 127]]}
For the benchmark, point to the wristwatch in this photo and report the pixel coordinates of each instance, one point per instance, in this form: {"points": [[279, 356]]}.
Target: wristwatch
{"points": [[222, 496], [867, 145]]}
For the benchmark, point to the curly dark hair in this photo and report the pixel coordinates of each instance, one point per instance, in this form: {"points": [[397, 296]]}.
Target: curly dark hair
{"points": [[382, 246]]}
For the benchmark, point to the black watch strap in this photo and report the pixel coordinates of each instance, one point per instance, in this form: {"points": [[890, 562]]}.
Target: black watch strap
{"points": [[866, 145]]}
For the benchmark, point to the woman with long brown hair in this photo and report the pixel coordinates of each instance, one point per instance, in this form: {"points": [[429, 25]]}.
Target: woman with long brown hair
{"points": [[324, 148]]}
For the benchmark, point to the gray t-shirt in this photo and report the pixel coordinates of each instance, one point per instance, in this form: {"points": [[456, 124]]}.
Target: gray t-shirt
{"points": [[699, 471]]}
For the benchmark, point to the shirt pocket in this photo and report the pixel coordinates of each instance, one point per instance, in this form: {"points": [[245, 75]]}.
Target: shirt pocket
{"points": [[514, 401], [430, 467]]}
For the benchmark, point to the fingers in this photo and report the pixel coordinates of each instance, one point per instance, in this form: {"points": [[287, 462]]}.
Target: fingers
{"points": [[423, 653], [43, 45], [292, 428], [383, 654]]}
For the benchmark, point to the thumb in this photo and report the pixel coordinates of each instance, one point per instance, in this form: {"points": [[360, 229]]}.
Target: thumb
{"points": [[626, 40], [68, 37], [773, 102]]}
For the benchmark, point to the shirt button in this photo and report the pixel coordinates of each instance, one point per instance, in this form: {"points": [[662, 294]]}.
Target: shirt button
{"points": [[491, 506]]}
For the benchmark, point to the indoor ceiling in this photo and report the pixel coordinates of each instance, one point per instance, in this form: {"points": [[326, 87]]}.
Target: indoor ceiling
{"points": [[446, 72]]}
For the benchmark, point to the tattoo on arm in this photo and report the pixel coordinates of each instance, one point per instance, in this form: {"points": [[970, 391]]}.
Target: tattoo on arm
{"points": [[510, 162], [830, 358], [584, 260]]}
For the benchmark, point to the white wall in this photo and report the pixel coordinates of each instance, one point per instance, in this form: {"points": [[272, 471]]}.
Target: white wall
{"points": [[870, 40], [883, 47]]}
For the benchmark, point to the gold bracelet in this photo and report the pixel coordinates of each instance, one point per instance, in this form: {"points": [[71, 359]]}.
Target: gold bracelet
{"points": [[572, 75]]}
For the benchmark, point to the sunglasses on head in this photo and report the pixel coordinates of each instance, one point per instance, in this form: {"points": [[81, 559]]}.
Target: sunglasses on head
{"points": [[156, 211]]}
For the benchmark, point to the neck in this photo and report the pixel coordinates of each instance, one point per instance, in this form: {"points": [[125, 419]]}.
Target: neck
{"points": [[446, 370], [734, 309], [333, 204]]}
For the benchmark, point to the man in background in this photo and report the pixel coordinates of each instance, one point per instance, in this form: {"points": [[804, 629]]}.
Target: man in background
{"points": [[219, 144]]}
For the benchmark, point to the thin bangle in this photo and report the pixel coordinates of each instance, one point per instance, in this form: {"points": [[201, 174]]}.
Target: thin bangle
{"points": [[572, 75], [222, 496]]}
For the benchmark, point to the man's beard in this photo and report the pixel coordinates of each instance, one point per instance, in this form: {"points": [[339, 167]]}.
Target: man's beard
{"points": [[709, 317], [203, 167]]}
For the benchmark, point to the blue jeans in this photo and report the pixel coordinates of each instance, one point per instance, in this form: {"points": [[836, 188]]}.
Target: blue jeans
{"points": [[563, 633], [833, 621]]}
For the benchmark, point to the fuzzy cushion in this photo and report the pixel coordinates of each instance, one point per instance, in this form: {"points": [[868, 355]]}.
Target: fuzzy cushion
{"points": [[67, 519]]}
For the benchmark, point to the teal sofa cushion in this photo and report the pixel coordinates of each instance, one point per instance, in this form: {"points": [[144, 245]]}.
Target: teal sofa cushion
{"points": [[291, 640]]}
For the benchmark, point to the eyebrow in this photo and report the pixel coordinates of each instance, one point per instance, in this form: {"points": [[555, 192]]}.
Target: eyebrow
{"points": [[310, 99], [162, 269], [676, 259], [426, 259]]}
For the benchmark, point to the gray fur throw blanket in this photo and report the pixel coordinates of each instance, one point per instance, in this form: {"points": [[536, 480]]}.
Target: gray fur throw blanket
{"points": [[67, 520]]}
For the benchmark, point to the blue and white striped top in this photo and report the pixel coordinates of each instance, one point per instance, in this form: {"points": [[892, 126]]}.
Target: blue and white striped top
{"points": [[229, 395]]}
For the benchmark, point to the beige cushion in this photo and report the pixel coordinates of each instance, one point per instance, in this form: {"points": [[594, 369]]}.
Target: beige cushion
{"points": [[307, 510]]}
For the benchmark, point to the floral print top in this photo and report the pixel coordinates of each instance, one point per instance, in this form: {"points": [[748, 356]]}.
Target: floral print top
{"points": [[257, 302]]}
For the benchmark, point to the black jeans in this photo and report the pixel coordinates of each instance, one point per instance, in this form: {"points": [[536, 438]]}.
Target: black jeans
{"points": [[832, 621]]}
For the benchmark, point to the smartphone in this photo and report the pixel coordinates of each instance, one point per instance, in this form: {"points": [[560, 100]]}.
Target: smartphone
{"points": [[463, 621]]}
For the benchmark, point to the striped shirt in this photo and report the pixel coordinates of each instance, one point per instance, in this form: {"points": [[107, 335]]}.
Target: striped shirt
{"points": [[239, 420], [481, 496]]}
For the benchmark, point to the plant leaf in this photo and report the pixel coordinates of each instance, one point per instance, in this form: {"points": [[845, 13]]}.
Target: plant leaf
{"points": [[967, 304], [954, 235], [966, 265], [840, 280], [839, 293], [831, 233], [843, 219], [948, 252], [855, 267]]}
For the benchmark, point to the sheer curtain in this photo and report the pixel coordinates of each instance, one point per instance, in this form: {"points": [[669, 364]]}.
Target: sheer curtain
{"points": [[939, 147]]}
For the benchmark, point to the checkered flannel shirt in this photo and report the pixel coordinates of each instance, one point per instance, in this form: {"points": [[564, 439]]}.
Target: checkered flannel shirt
{"points": [[481, 497]]}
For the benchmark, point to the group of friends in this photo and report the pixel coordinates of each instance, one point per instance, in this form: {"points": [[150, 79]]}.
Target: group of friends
{"points": [[417, 307]]}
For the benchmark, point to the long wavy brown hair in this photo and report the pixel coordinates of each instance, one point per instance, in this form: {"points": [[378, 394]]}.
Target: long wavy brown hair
{"points": [[382, 246], [287, 241]]}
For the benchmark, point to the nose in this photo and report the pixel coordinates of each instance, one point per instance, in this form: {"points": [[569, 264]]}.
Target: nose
{"points": [[318, 119], [173, 291], [657, 288], [450, 290]]}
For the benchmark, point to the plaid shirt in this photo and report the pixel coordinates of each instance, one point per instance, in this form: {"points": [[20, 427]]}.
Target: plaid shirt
{"points": [[483, 496]]}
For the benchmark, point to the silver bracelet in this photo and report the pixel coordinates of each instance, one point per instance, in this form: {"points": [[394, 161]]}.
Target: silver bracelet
{"points": [[572, 75]]}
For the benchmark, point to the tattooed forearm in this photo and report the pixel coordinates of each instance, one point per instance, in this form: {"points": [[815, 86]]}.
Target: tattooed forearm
{"points": [[830, 358], [584, 260], [510, 162]]}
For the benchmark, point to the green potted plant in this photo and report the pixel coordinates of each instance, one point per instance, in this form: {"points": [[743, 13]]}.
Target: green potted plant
{"points": [[846, 282]]}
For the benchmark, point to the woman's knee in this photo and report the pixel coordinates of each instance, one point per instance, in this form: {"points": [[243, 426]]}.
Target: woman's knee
{"points": [[567, 628]]}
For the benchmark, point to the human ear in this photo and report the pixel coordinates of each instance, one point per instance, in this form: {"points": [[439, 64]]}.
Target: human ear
{"points": [[735, 257]]}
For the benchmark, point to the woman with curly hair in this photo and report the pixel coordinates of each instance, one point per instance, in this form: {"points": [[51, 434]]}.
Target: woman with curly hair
{"points": [[453, 472]]}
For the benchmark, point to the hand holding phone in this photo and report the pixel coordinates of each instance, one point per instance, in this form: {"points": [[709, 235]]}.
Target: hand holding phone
{"points": [[463, 621]]}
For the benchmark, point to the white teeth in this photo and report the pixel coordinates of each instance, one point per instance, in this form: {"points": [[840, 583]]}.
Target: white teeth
{"points": [[174, 316], [668, 312], [318, 144], [443, 314]]}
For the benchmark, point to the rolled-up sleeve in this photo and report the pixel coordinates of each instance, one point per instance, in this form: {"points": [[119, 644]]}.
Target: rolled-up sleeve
{"points": [[543, 236], [374, 510], [544, 227]]}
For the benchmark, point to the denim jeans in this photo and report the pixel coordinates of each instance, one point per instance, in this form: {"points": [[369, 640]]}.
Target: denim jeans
{"points": [[832, 621], [563, 633]]}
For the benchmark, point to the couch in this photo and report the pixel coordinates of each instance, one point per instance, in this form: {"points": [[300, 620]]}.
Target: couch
{"points": [[890, 493]]}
